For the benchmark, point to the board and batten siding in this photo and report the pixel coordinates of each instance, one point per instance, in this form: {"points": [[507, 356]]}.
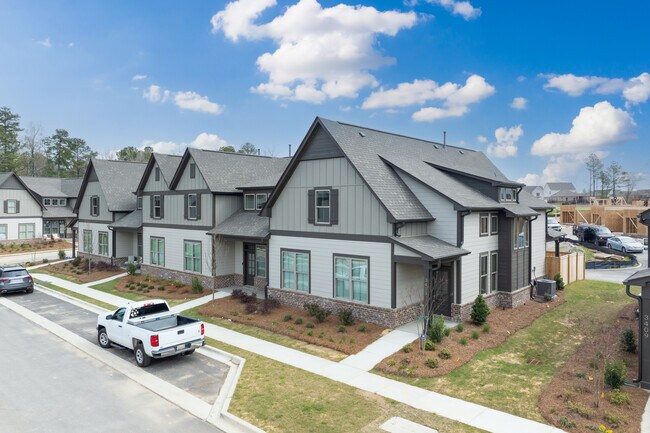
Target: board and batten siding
{"points": [[359, 210], [95, 228], [470, 263], [322, 264], [174, 241], [187, 184], [444, 226], [538, 245], [174, 210], [409, 280], [226, 205], [154, 185], [94, 188], [28, 206], [126, 243]]}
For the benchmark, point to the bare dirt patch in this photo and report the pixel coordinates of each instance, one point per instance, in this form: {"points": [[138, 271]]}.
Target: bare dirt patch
{"points": [[452, 353], [153, 287], [297, 323], [576, 399], [78, 271]]}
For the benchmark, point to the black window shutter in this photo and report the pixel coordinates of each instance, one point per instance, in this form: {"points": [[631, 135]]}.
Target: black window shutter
{"points": [[17, 206], [311, 206], [334, 206], [151, 206], [162, 206], [185, 200], [198, 206], [91, 205], [6, 206], [97, 213]]}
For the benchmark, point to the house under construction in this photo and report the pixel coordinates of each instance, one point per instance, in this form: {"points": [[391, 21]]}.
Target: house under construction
{"points": [[616, 215]]}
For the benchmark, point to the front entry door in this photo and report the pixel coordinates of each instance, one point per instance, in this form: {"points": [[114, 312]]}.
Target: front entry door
{"points": [[443, 290], [249, 264]]}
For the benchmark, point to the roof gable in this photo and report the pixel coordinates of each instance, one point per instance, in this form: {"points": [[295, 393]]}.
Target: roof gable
{"points": [[167, 164], [11, 180]]}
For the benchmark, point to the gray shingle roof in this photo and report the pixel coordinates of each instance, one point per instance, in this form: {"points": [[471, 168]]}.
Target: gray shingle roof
{"points": [[432, 248], [560, 185], [58, 212], [531, 188], [527, 199], [569, 193], [244, 225], [168, 165], [118, 180], [4, 176], [130, 221], [53, 186], [225, 171]]}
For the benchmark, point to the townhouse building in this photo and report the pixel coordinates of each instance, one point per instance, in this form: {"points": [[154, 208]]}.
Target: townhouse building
{"points": [[21, 216], [58, 197]]}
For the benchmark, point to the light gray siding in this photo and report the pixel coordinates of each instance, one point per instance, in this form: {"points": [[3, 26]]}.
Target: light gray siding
{"points": [[359, 210], [413, 229], [174, 211], [185, 183], [93, 188], [126, 244], [226, 205], [28, 206], [409, 282], [153, 185]]}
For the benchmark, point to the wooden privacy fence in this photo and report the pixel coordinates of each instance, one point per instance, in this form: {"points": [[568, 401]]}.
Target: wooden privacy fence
{"points": [[570, 265]]}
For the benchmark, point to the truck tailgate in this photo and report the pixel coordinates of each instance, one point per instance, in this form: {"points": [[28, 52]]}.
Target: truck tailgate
{"points": [[179, 335]]}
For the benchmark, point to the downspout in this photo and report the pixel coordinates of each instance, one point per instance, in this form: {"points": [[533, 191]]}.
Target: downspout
{"points": [[530, 252], [427, 289], [113, 245], [460, 235], [396, 228], [638, 299]]}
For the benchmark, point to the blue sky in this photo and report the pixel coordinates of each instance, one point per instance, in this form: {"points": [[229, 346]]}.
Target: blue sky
{"points": [[209, 73]]}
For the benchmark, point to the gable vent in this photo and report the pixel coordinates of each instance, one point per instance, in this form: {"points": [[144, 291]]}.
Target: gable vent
{"points": [[361, 134]]}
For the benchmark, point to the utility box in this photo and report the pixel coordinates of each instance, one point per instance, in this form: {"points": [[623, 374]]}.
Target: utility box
{"points": [[546, 288], [642, 279]]}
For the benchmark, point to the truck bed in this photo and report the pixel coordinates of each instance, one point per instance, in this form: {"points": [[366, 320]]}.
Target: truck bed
{"points": [[165, 323]]}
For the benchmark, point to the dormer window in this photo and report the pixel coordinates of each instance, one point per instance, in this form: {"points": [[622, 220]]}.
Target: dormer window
{"points": [[249, 201], [260, 200], [508, 194], [47, 201]]}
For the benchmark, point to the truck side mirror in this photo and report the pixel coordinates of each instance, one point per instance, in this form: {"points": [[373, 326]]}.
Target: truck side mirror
{"points": [[109, 317]]}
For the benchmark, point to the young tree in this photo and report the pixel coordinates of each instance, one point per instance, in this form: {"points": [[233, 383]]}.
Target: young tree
{"points": [[57, 148], [9, 143], [81, 154], [594, 167], [33, 159], [616, 175], [605, 183], [129, 153], [228, 148], [248, 148]]}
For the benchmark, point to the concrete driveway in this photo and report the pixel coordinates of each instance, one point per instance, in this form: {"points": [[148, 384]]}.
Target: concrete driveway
{"points": [[49, 386]]}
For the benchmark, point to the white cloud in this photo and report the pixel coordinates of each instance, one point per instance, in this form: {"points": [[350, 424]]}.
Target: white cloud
{"points": [[204, 141], [635, 90], [155, 94], [195, 102], [506, 144], [521, 78], [531, 179], [139, 77], [45, 42], [595, 127], [208, 141], [70, 44], [462, 8], [322, 53], [481, 139], [519, 103]]}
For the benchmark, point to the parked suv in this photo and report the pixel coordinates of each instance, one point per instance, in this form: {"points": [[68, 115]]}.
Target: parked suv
{"points": [[15, 279], [592, 233]]}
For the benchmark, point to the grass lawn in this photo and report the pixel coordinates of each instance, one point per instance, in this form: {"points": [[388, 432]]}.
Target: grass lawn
{"points": [[589, 254], [280, 398], [272, 337], [109, 287], [78, 296], [503, 379]]}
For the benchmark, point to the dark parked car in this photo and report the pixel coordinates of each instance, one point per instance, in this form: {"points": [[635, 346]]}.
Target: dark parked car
{"points": [[15, 279], [592, 233]]}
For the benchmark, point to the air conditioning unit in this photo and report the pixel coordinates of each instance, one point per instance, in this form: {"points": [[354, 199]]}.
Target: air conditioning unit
{"points": [[546, 288], [131, 259]]}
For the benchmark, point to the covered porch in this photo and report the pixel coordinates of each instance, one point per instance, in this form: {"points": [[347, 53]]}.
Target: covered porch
{"points": [[127, 239]]}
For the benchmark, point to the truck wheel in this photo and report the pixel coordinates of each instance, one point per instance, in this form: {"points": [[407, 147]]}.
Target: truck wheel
{"points": [[189, 352], [141, 358], [102, 339]]}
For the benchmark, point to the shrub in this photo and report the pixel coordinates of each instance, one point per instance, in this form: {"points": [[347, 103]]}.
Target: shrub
{"points": [[267, 305], [310, 333], [566, 422], [46, 261], [131, 268], [287, 317], [237, 293], [346, 317], [341, 328], [429, 345], [150, 287], [309, 325], [353, 342], [463, 341], [311, 308], [362, 328], [474, 335], [197, 286], [559, 282], [581, 375], [178, 284], [437, 329], [612, 419], [250, 307], [298, 321], [628, 341], [316, 311], [408, 348], [321, 335], [161, 288], [480, 310], [61, 254], [446, 332], [615, 372], [431, 363], [76, 261], [392, 363], [618, 397], [486, 328], [581, 409], [249, 299], [460, 327], [444, 354]]}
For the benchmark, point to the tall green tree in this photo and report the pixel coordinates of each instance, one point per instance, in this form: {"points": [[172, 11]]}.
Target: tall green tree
{"points": [[131, 153], [228, 148], [9, 143], [248, 148], [59, 156], [81, 154]]}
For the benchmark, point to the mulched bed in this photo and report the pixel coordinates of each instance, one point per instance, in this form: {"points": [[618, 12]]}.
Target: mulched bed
{"points": [[34, 246], [98, 270], [573, 400], [159, 288], [502, 323], [324, 334]]}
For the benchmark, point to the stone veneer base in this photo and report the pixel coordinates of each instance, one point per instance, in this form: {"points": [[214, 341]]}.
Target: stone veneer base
{"points": [[496, 299], [117, 261]]}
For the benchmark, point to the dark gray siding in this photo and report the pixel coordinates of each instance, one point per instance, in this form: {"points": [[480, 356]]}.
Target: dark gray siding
{"points": [[514, 265], [483, 187], [321, 146]]}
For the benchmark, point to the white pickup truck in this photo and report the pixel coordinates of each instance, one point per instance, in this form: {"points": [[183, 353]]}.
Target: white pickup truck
{"points": [[151, 330]]}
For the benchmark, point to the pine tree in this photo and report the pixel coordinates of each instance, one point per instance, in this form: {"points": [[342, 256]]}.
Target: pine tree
{"points": [[59, 156], [9, 143]]}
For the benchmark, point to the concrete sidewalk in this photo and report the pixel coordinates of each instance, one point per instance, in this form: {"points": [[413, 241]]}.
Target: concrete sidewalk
{"points": [[105, 280], [117, 301], [383, 347], [200, 301]]}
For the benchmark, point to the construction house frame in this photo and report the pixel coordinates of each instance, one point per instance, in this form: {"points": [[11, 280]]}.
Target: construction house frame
{"points": [[616, 215]]}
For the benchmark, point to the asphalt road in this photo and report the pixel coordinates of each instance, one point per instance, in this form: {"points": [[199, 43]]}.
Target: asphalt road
{"points": [[49, 386], [617, 275]]}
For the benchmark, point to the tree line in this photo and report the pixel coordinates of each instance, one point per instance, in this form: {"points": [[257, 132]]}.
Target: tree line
{"points": [[613, 179], [131, 153]]}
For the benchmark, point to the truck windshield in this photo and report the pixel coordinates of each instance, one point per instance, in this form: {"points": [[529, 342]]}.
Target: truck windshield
{"points": [[147, 310]]}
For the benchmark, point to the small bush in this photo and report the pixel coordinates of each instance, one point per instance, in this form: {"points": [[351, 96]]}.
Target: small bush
{"points": [[197, 286], [437, 329], [298, 321], [311, 308], [310, 333], [392, 363], [250, 307], [486, 328], [161, 288], [249, 299], [150, 287], [566, 422], [316, 311], [61, 254], [559, 282], [287, 317], [346, 317], [408, 348], [131, 268], [614, 373], [613, 419], [341, 329], [309, 325], [267, 305], [178, 284], [475, 335], [429, 345], [480, 310], [460, 327], [76, 261], [628, 341], [353, 342], [618, 397], [581, 410], [444, 354], [463, 341], [321, 335], [362, 328], [431, 363], [237, 294], [447, 332], [581, 375], [46, 261]]}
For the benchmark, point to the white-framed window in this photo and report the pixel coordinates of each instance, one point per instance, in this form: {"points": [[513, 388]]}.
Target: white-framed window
{"points": [[322, 206], [47, 201], [88, 241], [3, 232], [260, 200], [483, 273], [494, 223], [351, 278], [249, 201], [484, 223], [12, 206], [157, 206], [192, 170], [102, 238], [520, 235], [158, 251], [295, 270], [94, 205], [192, 206], [508, 194], [494, 269], [260, 260], [192, 256], [26, 231]]}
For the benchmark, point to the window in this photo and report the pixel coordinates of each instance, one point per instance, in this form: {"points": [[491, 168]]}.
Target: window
{"points": [[94, 205], [158, 251], [139, 205], [483, 224], [157, 206], [192, 207], [260, 200], [351, 278], [295, 270], [520, 233], [494, 266], [47, 201], [249, 201], [63, 201], [494, 224], [483, 274], [140, 246], [157, 174], [192, 171], [260, 260], [508, 194], [12, 206], [322, 206], [103, 243], [3, 232], [192, 255], [88, 241], [26, 231]]}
